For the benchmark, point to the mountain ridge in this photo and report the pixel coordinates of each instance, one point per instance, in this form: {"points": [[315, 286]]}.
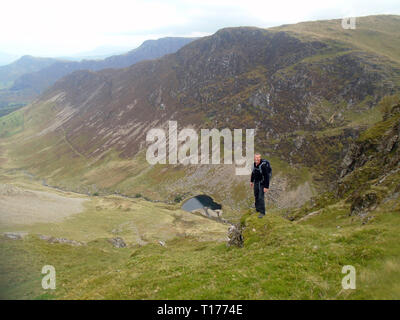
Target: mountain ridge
{"points": [[149, 49], [19, 88]]}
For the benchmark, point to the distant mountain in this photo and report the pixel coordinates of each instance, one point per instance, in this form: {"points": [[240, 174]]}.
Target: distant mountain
{"points": [[36, 82], [6, 58], [11, 100], [25, 64]]}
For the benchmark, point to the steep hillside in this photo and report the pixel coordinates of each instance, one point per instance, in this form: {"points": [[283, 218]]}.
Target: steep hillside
{"points": [[306, 96], [369, 176]]}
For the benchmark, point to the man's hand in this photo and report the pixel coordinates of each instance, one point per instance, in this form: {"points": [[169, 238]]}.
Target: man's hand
{"points": [[266, 189], [251, 184]]}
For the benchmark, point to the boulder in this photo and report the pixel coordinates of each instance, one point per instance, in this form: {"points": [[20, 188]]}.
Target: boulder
{"points": [[235, 237], [14, 235], [364, 203], [117, 242], [51, 239]]}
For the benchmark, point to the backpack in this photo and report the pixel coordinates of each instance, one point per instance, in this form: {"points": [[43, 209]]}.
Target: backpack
{"points": [[268, 165]]}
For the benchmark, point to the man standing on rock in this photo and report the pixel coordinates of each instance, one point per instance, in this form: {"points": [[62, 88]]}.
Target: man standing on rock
{"points": [[260, 178]]}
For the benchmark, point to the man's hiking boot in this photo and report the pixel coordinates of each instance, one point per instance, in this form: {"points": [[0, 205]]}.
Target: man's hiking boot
{"points": [[261, 215]]}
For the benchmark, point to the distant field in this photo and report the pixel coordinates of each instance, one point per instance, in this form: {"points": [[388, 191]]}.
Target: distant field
{"points": [[6, 109]]}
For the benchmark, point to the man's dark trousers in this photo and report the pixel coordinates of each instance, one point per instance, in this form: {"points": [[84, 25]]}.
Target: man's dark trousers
{"points": [[259, 197]]}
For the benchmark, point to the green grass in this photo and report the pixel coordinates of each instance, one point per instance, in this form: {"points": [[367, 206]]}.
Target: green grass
{"points": [[21, 270], [280, 260], [375, 34], [376, 131], [11, 124]]}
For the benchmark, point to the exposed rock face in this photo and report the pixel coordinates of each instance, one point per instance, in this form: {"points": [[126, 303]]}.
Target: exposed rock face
{"points": [[378, 147], [51, 239], [235, 237], [355, 158], [117, 242], [15, 235], [369, 169], [362, 204]]}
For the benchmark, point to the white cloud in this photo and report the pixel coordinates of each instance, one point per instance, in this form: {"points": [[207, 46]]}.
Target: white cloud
{"points": [[48, 27]]}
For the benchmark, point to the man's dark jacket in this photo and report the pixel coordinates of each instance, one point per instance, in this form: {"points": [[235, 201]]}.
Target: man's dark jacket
{"points": [[262, 175]]}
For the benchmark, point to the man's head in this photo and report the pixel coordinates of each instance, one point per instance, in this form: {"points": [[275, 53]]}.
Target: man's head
{"points": [[257, 158]]}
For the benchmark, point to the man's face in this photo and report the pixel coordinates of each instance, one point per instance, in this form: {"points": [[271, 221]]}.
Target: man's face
{"points": [[257, 158]]}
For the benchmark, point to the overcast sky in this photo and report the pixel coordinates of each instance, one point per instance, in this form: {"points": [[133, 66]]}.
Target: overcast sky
{"points": [[67, 27]]}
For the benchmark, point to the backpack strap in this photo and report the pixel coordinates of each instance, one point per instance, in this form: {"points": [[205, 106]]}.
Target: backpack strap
{"points": [[266, 162], [263, 162]]}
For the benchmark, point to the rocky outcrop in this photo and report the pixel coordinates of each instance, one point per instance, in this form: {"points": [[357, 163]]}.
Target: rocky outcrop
{"points": [[354, 158], [235, 237], [14, 235], [364, 203], [369, 169], [51, 239], [117, 242]]}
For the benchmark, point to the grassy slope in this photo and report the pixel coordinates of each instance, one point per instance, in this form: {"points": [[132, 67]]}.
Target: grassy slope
{"points": [[137, 221], [376, 34], [11, 124], [280, 260]]}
